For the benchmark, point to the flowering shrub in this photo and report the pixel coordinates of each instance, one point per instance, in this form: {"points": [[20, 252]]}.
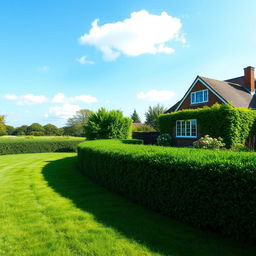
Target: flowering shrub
{"points": [[164, 139], [209, 143]]}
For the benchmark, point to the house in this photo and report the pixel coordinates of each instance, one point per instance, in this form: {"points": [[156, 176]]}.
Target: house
{"points": [[239, 91]]}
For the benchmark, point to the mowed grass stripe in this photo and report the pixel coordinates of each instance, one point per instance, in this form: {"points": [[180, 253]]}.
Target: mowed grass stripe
{"points": [[47, 207]]}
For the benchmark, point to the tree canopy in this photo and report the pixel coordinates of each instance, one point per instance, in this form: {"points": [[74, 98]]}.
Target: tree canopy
{"points": [[152, 115], [135, 117]]}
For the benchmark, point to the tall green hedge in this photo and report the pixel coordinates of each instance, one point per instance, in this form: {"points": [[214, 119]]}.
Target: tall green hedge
{"points": [[209, 189], [17, 146], [234, 125]]}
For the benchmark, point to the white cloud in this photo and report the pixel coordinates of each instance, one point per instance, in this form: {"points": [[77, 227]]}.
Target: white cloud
{"points": [[10, 96], [65, 111], [84, 60], [154, 95], [61, 98], [46, 115], [141, 33], [44, 68], [27, 99]]}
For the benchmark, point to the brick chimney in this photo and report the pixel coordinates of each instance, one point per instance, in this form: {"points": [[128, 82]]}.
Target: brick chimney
{"points": [[249, 80]]}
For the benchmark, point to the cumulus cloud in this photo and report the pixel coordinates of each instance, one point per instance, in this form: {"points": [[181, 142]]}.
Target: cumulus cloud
{"points": [[141, 33], [84, 60], [61, 98], [154, 95], [65, 111], [27, 99]]}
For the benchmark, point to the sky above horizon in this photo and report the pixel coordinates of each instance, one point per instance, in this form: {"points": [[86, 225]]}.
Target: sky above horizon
{"points": [[61, 56]]}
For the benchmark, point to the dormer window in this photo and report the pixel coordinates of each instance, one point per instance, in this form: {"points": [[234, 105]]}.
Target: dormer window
{"points": [[199, 97]]}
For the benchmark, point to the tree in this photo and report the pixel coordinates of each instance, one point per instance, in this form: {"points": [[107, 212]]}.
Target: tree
{"points": [[51, 130], [10, 129], [108, 125], [2, 125], [135, 117], [77, 123], [35, 129], [152, 115], [22, 130]]}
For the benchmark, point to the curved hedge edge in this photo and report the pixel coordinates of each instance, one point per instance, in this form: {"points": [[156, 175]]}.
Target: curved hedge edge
{"points": [[208, 189]]}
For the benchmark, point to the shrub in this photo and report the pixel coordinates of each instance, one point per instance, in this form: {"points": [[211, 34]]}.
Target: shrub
{"points": [[143, 128], [234, 125], [133, 141], [108, 125], [207, 142], [29, 145], [209, 189], [164, 139], [240, 148]]}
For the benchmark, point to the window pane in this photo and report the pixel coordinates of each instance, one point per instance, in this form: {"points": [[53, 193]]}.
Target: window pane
{"points": [[178, 133], [183, 128], [193, 128], [188, 128], [193, 99], [205, 95]]}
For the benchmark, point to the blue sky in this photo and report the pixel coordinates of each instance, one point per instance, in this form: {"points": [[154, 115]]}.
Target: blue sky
{"points": [[48, 70]]}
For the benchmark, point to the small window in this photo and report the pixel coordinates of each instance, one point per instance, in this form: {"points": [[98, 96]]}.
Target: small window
{"points": [[186, 128], [199, 97]]}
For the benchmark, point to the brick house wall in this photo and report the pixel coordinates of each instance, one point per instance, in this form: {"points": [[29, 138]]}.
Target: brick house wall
{"points": [[212, 98]]}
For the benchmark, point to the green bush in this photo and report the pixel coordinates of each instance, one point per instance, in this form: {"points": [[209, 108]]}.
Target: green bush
{"points": [[132, 141], [234, 125], [143, 128], [108, 125], [209, 189], [164, 139], [30, 145]]}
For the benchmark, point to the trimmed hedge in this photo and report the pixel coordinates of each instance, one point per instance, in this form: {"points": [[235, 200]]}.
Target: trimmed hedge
{"points": [[210, 189], [234, 125], [21, 146]]}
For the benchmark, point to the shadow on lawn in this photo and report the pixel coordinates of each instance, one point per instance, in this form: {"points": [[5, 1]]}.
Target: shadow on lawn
{"points": [[158, 233]]}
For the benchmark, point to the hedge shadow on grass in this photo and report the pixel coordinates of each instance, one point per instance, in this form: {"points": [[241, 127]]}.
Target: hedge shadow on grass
{"points": [[156, 232]]}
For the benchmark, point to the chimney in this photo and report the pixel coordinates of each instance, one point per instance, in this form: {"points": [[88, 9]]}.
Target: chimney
{"points": [[249, 80]]}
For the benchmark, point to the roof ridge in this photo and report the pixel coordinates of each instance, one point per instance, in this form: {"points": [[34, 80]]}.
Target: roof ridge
{"points": [[223, 81]]}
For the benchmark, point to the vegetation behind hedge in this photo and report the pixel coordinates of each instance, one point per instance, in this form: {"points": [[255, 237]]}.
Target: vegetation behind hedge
{"points": [[234, 125], [209, 189], [19, 146]]}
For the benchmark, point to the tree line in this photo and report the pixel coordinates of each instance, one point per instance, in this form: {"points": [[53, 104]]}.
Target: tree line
{"points": [[75, 125]]}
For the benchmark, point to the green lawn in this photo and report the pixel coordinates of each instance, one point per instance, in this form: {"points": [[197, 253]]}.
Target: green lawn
{"points": [[48, 208]]}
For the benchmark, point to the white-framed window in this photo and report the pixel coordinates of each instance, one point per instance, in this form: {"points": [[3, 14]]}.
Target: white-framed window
{"points": [[186, 128], [199, 97]]}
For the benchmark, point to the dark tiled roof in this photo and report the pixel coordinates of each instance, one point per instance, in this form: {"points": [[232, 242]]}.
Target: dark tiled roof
{"points": [[231, 90], [173, 108]]}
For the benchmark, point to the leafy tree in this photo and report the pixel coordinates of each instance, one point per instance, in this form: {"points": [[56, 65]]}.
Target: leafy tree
{"points": [[9, 129], [35, 129], [2, 125], [77, 123], [152, 115], [108, 125], [51, 130], [22, 130], [135, 117]]}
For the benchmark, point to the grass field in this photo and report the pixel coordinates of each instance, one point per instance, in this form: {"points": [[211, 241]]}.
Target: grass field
{"points": [[47, 207]]}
